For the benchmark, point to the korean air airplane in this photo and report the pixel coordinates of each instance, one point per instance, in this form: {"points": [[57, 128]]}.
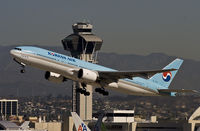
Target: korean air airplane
{"points": [[60, 67]]}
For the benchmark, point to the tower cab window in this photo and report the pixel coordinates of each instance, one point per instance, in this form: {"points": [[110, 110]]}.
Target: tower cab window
{"points": [[17, 49]]}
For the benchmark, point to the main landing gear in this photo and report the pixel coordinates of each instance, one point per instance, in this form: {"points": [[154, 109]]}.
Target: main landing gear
{"points": [[102, 91], [83, 90]]}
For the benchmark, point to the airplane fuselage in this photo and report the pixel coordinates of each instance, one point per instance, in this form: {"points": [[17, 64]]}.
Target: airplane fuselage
{"points": [[67, 66]]}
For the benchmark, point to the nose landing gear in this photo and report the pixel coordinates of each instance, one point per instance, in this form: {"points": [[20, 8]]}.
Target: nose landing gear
{"points": [[22, 66], [22, 70]]}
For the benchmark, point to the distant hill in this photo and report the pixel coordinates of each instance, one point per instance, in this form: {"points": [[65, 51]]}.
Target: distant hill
{"points": [[12, 82]]}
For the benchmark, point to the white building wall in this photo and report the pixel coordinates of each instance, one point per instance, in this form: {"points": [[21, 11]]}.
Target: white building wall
{"points": [[50, 126]]}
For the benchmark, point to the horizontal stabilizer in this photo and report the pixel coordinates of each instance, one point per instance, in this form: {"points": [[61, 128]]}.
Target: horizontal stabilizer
{"points": [[177, 90]]}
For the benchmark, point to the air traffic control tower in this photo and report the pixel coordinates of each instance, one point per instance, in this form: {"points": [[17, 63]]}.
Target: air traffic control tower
{"points": [[82, 44]]}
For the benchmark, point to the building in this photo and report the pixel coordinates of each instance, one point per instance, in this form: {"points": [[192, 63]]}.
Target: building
{"points": [[8, 108], [120, 116], [125, 120], [7, 125], [116, 120], [194, 120], [10, 126], [49, 126]]}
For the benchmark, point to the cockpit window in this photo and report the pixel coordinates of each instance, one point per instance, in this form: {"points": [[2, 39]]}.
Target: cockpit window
{"points": [[17, 49]]}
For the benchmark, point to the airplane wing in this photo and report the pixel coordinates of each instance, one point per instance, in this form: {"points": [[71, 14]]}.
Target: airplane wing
{"points": [[177, 90], [115, 75]]}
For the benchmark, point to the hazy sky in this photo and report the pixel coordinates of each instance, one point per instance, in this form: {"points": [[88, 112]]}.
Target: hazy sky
{"points": [[127, 27]]}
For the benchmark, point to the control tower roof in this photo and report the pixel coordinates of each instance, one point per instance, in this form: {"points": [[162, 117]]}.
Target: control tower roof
{"points": [[82, 28], [79, 42], [82, 42]]}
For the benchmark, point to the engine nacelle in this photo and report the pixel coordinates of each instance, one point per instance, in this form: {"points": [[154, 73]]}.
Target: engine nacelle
{"points": [[54, 77], [88, 75]]}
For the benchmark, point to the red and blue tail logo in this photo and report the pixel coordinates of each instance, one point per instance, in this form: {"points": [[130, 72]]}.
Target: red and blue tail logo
{"points": [[167, 76], [82, 127]]}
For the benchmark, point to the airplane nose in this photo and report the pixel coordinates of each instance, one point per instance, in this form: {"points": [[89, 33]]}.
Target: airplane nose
{"points": [[13, 53]]}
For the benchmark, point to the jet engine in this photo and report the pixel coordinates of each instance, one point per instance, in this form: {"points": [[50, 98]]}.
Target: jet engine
{"points": [[87, 75], [54, 77]]}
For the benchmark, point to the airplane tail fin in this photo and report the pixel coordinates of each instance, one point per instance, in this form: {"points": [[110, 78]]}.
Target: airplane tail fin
{"points": [[164, 79], [25, 125], [79, 124]]}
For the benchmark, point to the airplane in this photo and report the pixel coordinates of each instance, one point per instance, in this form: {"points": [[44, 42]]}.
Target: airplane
{"points": [[81, 126], [25, 125], [60, 68]]}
